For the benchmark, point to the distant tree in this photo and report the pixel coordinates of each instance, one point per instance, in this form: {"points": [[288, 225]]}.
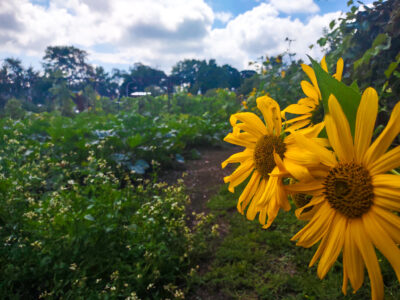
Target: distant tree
{"points": [[186, 71], [103, 83], [234, 77], [202, 75], [71, 62], [247, 73], [13, 83], [140, 77]]}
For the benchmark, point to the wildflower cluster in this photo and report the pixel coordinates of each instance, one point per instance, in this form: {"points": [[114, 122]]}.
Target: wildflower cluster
{"points": [[329, 163]]}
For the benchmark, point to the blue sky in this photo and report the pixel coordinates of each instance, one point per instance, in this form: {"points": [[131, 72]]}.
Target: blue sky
{"points": [[159, 33]]}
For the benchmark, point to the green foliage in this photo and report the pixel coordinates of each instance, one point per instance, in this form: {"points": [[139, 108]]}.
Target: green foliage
{"points": [[78, 219], [251, 263], [368, 39], [13, 109], [95, 241]]}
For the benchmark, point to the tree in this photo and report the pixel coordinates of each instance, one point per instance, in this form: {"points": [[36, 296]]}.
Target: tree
{"points": [[12, 78], [103, 83], [140, 77], [202, 75], [71, 62], [186, 71]]}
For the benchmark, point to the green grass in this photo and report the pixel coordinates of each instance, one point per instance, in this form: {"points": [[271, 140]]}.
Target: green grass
{"points": [[251, 263]]}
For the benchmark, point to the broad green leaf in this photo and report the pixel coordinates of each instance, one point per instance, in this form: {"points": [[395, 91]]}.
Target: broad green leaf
{"points": [[348, 97]]}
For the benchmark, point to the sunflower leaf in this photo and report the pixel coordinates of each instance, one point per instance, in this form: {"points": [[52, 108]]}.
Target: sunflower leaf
{"points": [[348, 97]]}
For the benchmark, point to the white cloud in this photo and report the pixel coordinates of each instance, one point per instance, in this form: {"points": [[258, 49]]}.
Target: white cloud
{"points": [[295, 6], [156, 32], [262, 32], [223, 16]]}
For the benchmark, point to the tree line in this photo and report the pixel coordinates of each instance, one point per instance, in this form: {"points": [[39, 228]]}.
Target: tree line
{"points": [[67, 75]]}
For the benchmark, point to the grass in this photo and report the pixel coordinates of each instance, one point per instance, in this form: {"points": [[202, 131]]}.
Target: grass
{"points": [[248, 262]]}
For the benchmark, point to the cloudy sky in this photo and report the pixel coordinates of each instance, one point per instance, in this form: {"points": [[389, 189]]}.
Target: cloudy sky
{"points": [[159, 33]]}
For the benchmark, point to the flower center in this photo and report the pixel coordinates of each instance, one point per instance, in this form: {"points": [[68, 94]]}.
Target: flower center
{"points": [[301, 200], [318, 114], [349, 190], [264, 153]]}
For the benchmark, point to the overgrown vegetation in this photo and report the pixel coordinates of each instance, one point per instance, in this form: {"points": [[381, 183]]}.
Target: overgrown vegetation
{"points": [[82, 214]]}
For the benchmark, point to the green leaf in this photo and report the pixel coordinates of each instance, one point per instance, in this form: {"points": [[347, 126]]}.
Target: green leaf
{"points": [[381, 42], [393, 65], [355, 87], [134, 141], [348, 97]]}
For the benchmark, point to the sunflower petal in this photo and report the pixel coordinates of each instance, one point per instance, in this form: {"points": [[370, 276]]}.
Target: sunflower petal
{"points": [[251, 123], [272, 114], [386, 180], [365, 122], [334, 245], [387, 192], [387, 203], [252, 210], [242, 139], [311, 188], [298, 125], [238, 157], [312, 131], [382, 241], [388, 161], [239, 175], [326, 157], [324, 65], [389, 221], [272, 211], [311, 74], [339, 69], [248, 192], [338, 130], [368, 254], [315, 201], [316, 228], [300, 118], [298, 171], [302, 157], [308, 102], [309, 90], [298, 109], [352, 260], [383, 141]]}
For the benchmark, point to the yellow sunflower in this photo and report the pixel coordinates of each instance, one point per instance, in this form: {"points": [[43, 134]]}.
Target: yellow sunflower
{"points": [[310, 108], [353, 195], [267, 156]]}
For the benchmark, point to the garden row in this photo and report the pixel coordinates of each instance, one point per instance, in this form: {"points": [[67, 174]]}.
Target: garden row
{"points": [[81, 213]]}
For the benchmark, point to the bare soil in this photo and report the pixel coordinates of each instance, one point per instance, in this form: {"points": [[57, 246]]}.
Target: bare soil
{"points": [[203, 179], [204, 176]]}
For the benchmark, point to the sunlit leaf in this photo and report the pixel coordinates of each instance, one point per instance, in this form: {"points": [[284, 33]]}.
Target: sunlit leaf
{"points": [[348, 97]]}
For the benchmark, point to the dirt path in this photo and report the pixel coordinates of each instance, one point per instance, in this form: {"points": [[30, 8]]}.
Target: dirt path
{"points": [[204, 176], [203, 180]]}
